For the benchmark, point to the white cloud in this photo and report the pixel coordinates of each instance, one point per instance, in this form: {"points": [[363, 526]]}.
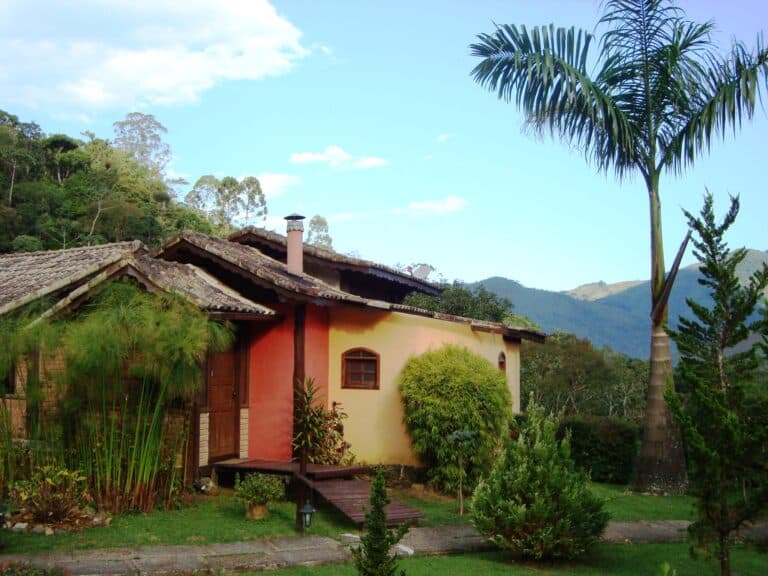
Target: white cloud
{"points": [[334, 156], [274, 184], [444, 206], [338, 158], [414, 209], [369, 162], [126, 53], [442, 138]]}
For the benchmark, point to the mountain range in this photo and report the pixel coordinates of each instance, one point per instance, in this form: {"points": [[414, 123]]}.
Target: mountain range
{"points": [[613, 315]]}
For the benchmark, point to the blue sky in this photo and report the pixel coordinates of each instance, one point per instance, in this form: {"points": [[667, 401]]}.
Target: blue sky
{"points": [[365, 112]]}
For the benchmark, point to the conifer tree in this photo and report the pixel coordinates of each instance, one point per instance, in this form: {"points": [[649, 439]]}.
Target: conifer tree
{"points": [[374, 557], [724, 412]]}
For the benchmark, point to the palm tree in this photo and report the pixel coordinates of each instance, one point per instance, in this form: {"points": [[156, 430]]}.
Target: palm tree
{"points": [[659, 94]]}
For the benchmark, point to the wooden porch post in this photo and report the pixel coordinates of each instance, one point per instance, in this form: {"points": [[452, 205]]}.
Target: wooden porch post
{"points": [[299, 327]]}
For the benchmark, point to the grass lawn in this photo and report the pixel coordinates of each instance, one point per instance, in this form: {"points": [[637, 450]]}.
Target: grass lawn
{"points": [[221, 519], [613, 559], [631, 506], [211, 519]]}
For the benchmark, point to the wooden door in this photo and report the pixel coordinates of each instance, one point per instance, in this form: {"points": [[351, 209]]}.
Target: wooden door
{"points": [[223, 406]]}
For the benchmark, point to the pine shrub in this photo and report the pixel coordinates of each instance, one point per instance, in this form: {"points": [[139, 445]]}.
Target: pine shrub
{"points": [[374, 556], [534, 503], [447, 390]]}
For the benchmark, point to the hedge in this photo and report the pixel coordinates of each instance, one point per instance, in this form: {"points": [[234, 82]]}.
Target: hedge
{"points": [[606, 447]]}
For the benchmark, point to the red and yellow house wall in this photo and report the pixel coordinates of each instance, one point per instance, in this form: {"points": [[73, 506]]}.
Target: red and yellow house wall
{"points": [[375, 425]]}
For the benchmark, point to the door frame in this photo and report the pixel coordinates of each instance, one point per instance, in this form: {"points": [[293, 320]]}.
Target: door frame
{"points": [[240, 387]]}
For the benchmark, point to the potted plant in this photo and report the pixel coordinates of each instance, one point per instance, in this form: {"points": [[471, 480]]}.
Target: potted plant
{"points": [[255, 491]]}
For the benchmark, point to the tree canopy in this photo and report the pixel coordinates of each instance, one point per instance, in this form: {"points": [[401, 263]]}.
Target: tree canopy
{"points": [[59, 192]]}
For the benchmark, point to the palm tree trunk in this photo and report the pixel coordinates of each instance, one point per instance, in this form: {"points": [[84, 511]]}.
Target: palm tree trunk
{"points": [[661, 467]]}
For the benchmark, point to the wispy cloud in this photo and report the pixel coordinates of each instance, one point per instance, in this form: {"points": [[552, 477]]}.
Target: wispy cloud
{"points": [[442, 138], [369, 162], [274, 184], [417, 209], [444, 206], [338, 158], [131, 53]]}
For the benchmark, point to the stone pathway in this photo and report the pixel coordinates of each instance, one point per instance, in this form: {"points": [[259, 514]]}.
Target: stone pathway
{"points": [[306, 551]]}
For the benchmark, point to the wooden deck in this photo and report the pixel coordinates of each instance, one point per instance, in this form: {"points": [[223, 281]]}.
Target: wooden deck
{"points": [[334, 484], [352, 497]]}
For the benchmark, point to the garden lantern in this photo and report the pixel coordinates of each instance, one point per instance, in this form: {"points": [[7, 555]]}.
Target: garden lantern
{"points": [[307, 511]]}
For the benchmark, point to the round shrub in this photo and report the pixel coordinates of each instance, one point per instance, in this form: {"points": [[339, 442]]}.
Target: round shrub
{"points": [[258, 488], [534, 503], [448, 390]]}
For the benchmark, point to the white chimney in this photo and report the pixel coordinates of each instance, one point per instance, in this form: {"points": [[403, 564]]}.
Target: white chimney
{"points": [[295, 259]]}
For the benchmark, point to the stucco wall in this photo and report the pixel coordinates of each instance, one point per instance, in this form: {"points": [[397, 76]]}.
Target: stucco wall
{"points": [[316, 350], [374, 427], [270, 386], [270, 390]]}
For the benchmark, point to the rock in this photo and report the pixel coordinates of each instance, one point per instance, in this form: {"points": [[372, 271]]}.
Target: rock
{"points": [[107, 520], [38, 529], [403, 550], [349, 538], [206, 485], [20, 527], [48, 531]]}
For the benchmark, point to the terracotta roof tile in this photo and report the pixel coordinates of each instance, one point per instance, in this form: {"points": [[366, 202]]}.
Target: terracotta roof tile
{"points": [[336, 259], [200, 287], [27, 276], [263, 267]]}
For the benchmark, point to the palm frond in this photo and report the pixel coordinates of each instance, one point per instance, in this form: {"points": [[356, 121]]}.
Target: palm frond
{"points": [[729, 92], [545, 72]]}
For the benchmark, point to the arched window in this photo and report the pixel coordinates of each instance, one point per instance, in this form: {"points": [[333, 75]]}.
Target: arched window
{"points": [[502, 361], [360, 369]]}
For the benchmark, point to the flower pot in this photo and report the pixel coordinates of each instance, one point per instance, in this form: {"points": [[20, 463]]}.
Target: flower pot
{"points": [[256, 511]]}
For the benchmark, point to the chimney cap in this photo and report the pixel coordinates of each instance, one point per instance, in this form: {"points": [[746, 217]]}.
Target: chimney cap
{"points": [[294, 216]]}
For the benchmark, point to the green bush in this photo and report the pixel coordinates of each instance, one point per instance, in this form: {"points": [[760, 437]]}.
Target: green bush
{"points": [[453, 389], [320, 431], [606, 448], [51, 494], [259, 488], [534, 503]]}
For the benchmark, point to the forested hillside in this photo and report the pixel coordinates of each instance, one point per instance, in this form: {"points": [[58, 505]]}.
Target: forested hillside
{"points": [[59, 191], [619, 320]]}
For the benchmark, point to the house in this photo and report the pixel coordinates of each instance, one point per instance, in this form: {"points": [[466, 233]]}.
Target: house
{"points": [[299, 312]]}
